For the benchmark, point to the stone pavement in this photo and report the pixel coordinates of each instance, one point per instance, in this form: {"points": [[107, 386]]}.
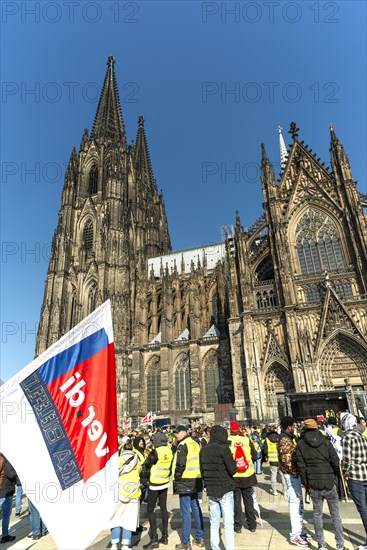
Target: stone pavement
{"points": [[271, 535]]}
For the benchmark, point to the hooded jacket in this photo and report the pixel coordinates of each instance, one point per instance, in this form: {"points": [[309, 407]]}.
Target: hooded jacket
{"points": [[317, 461], [217, 465], [273, 437]]}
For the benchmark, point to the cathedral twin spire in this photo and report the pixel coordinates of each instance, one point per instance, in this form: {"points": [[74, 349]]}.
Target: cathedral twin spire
{"points": [[108, 123]]}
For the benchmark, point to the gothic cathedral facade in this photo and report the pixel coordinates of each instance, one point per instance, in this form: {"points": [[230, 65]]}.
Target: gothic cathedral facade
{"points": [[271, 321]]}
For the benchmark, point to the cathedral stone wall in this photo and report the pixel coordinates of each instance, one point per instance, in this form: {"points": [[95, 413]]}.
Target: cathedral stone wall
{"points": [[277, 312]]}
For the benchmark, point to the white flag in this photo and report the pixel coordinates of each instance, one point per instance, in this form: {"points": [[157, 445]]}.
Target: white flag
{"points": [[59, 431], [335, 440]]}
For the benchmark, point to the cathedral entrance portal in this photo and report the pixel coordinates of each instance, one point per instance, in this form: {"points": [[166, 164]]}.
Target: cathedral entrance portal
{"points": [[278, 381]]}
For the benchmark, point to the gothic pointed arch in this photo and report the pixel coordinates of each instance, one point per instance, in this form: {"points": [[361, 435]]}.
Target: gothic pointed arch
{"points": [[273, 351], [278, 379], [318, 243], [343, 355], [91, 296], [88, 237], [211, 378], [182, 382], [93, 179], [153, 384]]}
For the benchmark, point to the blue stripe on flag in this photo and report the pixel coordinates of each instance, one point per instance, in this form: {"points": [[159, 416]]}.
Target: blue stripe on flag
{"points": [[52, 429], [68, 359]]}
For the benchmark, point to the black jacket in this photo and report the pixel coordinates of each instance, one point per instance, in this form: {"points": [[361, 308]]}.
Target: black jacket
{"points": [[181, 485], [217, 465], [317, 461], [7, 477]]}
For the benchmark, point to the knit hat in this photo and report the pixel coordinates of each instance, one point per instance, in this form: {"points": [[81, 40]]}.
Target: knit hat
{"points": [[347, 421], [311, 424], [235, 427], [159, 439]]}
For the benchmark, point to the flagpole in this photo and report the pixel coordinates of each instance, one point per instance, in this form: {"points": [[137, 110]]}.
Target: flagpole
{"points": [[343, 482]]}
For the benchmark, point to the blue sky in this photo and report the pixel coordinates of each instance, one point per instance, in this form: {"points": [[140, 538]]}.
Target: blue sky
{"points": [[212, 80]]}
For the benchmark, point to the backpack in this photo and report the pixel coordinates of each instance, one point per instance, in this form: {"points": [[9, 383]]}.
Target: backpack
{"points": [[240, 458]]}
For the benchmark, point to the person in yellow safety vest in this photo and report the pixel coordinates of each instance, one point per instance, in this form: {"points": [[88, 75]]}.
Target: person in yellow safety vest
{"points": [[139, 447], [126, 517], [187, 483], [159, 464], [245, 480], [271, 455]]}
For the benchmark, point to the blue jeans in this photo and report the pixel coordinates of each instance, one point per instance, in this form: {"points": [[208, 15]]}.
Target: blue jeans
{"points": [[116, 533], [295, 503], [187, 502], [358, 490], [257, 465], [5, 507], [18, 499], [224, 505], [37, 525]]}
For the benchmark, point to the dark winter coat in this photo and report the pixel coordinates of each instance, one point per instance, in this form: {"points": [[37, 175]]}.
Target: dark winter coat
{"points": [[217, 465], [317, 461], [7, 478]]}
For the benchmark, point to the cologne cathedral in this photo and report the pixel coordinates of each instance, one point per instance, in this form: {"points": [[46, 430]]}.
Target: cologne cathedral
{"points": [[271, 321]]}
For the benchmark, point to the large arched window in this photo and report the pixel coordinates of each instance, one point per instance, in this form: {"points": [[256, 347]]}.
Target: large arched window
{"points": [[88, 237], [317, 242], [153, 385], [93, 180], [211, 378], [182, 380]]}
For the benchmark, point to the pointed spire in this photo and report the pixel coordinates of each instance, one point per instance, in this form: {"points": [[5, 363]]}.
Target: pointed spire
{"points": [[339, 158], [108, 122], [267, 172], [283, 149], [142, 157]]}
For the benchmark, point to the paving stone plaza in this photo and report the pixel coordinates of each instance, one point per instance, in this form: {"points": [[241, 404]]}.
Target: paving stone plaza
{"points": [[271, 535]]}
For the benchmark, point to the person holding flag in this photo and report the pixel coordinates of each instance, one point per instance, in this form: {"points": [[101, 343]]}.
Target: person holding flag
{"points": [[63, 407], [126, 517]]}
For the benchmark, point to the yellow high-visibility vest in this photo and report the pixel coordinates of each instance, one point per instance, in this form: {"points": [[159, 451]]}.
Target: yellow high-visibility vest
{"points": [[192, 469], [159, 473], [272, 451], [245, 442], [129, 483]]}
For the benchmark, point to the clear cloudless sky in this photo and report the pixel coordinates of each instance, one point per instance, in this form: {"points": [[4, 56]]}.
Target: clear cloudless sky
{"points": [[176, 63]]}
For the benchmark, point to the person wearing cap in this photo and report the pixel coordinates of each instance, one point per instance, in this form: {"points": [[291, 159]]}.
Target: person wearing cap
{"points": [[187, 483], [354, 465], [318, 464], [288, 465], [159, 464], [244, 480], [217, 469], [271, 455]]}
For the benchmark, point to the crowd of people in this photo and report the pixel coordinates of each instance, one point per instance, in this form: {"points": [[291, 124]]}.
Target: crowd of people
{"points": [[226, 463]]}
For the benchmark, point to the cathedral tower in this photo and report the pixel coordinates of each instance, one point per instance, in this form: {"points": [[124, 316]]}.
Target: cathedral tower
{"points": [[110, 221]]}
